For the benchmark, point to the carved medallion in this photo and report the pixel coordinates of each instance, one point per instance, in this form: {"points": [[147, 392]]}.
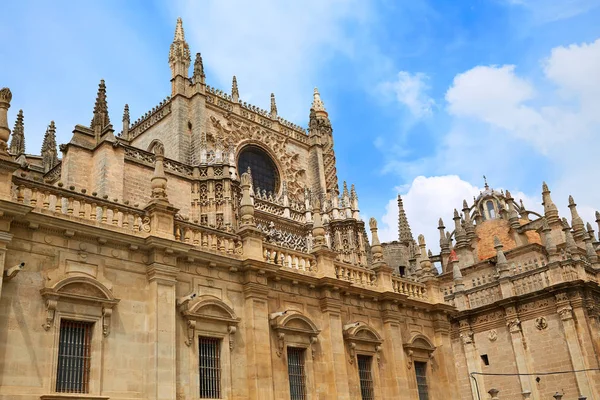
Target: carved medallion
{"points": [[541, 323], [493, 335]]}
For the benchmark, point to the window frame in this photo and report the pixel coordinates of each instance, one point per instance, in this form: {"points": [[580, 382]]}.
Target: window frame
{"points": [[219, 342], [85, 382], [425, 365], [304, 352], [362, 389]]}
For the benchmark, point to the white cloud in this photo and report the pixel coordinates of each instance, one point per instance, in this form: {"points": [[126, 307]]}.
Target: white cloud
{"points": [[410, 90], [271, 46], [545, 11]]}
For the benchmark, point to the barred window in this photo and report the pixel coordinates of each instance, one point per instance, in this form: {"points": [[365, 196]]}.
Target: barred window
{"points": [[74, 349], [421, 372], [209, 360], [366, 377], [263, 169], [296, 373]]}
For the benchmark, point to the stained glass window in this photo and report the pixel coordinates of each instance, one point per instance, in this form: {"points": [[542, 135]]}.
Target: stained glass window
{"points": [[263, 169]]}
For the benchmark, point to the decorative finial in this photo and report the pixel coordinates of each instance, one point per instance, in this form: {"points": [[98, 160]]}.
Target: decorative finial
{"points": [[179, 52], [485, 182], [317, 103], [441, 224], [100, 119], [126, 113], [376, 249], [159, 180], [404, 231], [179, 34], [465, 205], [235, 94], [198, 69], [273, 106], [49, 152], [17, 142]]}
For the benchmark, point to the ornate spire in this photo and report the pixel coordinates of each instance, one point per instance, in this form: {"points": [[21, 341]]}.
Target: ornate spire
{"points": [[501, 263], [589, 238], [443, 240], [100, 119], [569, 241], [5, 98], [354, 203], [345, 193], [459, 232], [17, 142], [376, 250], [159, 180], [404, 232], [318, 232], [125, 131], [246, 205], [550, 210], [49, 152], [235, 94], [576, 221], [179, 59], [273, 106], [317, 103], [199, 76]]}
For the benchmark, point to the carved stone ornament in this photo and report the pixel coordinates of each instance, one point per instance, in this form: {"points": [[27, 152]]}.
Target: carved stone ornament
{"points": [[419, 347], [514, 325], [565, 312], [207, 308], [293, 323], [541, 323], [79, 290], [361, 335], [493, 335], [467, 337]]}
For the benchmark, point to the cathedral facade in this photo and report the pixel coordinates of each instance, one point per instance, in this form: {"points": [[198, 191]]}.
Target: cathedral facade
{"points": [[207, 250]]}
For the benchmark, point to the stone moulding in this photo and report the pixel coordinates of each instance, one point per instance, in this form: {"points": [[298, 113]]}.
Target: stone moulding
{"points": [[79, 289], [72, 396], [294, 323], [211, 309], [418, 347], [362, 338]]}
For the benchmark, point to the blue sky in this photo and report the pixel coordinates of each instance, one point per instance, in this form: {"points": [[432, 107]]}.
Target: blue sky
{"points": [[425, 97]]}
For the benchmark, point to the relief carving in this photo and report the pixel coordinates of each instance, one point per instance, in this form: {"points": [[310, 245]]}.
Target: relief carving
{"points": [[541, 323]]}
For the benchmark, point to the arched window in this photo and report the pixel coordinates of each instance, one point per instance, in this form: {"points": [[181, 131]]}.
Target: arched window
{"points": [[491, 209], [264, 172]]}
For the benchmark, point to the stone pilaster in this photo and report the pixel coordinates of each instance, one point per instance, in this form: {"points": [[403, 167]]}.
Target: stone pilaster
{"points": [[564, 309], [443, 358], [521, 357], [333, 365], [258, 335], [161, 379], [467, 337]]}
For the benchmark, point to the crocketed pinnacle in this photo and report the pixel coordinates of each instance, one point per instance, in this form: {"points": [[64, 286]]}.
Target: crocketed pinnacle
{"points": [[126, 112], [179, 51], [550, 210], [317, 103], [273, 106], [576, 221], [100, 118], [235, 94], [198, 69], [49, 153], [404, 232], [17, 143]]}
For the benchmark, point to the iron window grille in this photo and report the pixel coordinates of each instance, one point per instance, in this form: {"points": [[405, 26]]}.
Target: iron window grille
{"points": [[209, 364], [421, 373], [74, 356], [366, 377], [296, 373]]}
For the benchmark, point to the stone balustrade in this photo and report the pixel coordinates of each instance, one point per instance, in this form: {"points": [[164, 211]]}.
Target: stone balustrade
{"points": [[287, 258], [67, 203], [355, 274], [409, 288], [208, 239]]}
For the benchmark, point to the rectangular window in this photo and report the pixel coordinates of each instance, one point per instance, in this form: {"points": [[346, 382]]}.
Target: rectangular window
{"points": [[209, 356], [421, 372], [296, 373], [74, 349], [366, 377]]}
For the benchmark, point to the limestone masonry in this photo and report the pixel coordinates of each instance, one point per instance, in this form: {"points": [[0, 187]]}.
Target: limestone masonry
{"points": [[207, 251]]}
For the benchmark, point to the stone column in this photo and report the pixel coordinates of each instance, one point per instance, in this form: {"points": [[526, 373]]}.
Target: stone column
{"points": [[258, 335], [161, 379], [521, 357], [332, 382], [467, 337], [565, 311], [443, 358]]}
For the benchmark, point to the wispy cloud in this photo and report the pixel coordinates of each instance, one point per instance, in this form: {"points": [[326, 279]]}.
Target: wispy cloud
{"points": [[410, 90]]}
